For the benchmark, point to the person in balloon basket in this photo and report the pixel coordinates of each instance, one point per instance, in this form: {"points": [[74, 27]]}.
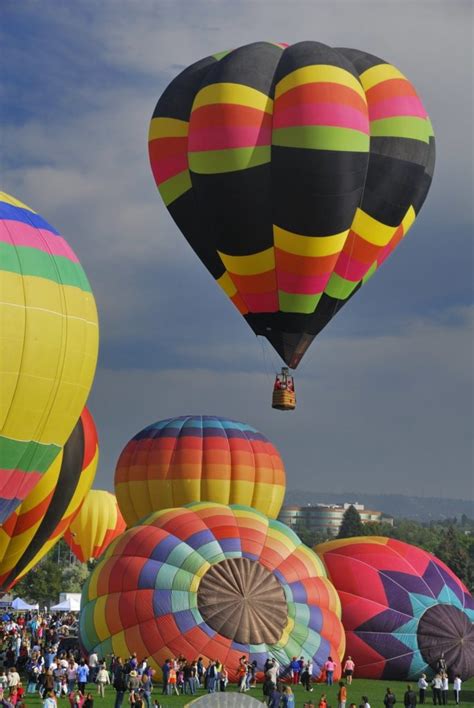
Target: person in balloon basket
{"points": [[329, 667], [409, 699], [422, 686]]}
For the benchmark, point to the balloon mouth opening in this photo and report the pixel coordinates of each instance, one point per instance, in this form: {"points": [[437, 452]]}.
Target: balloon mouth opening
{"points": [[445, 630], [243, 601]]}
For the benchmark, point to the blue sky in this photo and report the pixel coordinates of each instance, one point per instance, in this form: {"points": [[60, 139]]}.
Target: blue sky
{"points": [[385, 393]]}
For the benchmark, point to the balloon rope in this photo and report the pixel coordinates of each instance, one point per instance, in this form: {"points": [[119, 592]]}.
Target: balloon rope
{"points": [[264, 358]]}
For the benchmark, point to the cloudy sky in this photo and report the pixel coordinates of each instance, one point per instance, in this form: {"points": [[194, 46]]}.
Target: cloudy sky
{"points": [[385, 398]]}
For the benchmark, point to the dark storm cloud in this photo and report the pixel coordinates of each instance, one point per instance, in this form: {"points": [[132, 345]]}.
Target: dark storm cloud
{"points": [[385, 396]]}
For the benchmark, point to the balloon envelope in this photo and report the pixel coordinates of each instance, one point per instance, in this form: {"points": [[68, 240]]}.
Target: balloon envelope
{"points": [[182, 460], [293, 172], [401, 608], [96, 525], [214, 581], [42, 518], [48, 348]]}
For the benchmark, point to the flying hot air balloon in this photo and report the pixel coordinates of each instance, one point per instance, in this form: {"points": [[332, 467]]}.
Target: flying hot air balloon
{"points": [[97, 524], [43, 517], [192, 458], [293, 172], [48, 348]]}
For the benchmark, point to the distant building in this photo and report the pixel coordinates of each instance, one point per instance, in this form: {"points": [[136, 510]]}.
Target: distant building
{"points": [[326, 518]]}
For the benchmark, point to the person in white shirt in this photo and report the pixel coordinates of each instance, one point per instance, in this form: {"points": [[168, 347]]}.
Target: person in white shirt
{"points": [[457, 689], [422, 686], [436, 686], [93, 666], [444, 688], [13, 678]]}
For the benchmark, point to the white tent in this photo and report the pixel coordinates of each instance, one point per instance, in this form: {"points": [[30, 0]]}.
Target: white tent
{"points": [[21, 606], [72, 604]]}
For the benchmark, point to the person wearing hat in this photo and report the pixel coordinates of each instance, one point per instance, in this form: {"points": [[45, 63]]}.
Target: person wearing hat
{"points": [[133, 680]]}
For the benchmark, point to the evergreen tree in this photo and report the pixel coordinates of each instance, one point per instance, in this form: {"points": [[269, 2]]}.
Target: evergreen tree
{"points": [[454, 553], [351, 524]]}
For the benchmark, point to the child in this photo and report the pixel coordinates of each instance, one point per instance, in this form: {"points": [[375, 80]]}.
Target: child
{"points": [[342, 695]]}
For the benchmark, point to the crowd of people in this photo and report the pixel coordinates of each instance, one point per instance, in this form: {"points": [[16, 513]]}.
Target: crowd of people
{"points": [[45, 651]]}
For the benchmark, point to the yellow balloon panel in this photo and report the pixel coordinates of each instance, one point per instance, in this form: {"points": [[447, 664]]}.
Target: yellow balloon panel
{"points": [[48, 348]]}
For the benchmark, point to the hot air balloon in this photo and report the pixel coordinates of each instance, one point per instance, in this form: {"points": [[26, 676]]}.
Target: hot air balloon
{"points": [[213, 581], [96, 525], [48, 348], [43, 517], [293, 172], [401, 608], [182, 460]]}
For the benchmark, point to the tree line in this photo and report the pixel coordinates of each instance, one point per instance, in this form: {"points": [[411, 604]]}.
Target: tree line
{"points": [[451, 540]]}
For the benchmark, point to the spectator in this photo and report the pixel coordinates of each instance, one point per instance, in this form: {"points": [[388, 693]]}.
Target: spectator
{"points": [[409, 699], [422, 686], [457, 689], [389, 698], [50, 700], [287, 699], [102, 680], [329, 667], [342, 695], [349, 667]]}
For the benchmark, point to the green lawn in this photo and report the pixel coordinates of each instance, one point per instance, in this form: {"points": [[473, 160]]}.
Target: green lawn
{"points": [[375, 690]]}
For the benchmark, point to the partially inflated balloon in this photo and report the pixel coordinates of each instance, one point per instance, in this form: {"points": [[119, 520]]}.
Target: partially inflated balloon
{"points": [[48, 348], [213, 581], [43, 517], [401, 608], [192, 458], [97, 524], [293, 172]]}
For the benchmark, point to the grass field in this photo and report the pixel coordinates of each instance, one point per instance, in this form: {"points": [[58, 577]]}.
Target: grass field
{"points": [[375, 690]]}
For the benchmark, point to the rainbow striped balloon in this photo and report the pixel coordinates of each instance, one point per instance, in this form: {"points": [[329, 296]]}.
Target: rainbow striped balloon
{"points": [[214, 581], [48, 348], [192, 458]]}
